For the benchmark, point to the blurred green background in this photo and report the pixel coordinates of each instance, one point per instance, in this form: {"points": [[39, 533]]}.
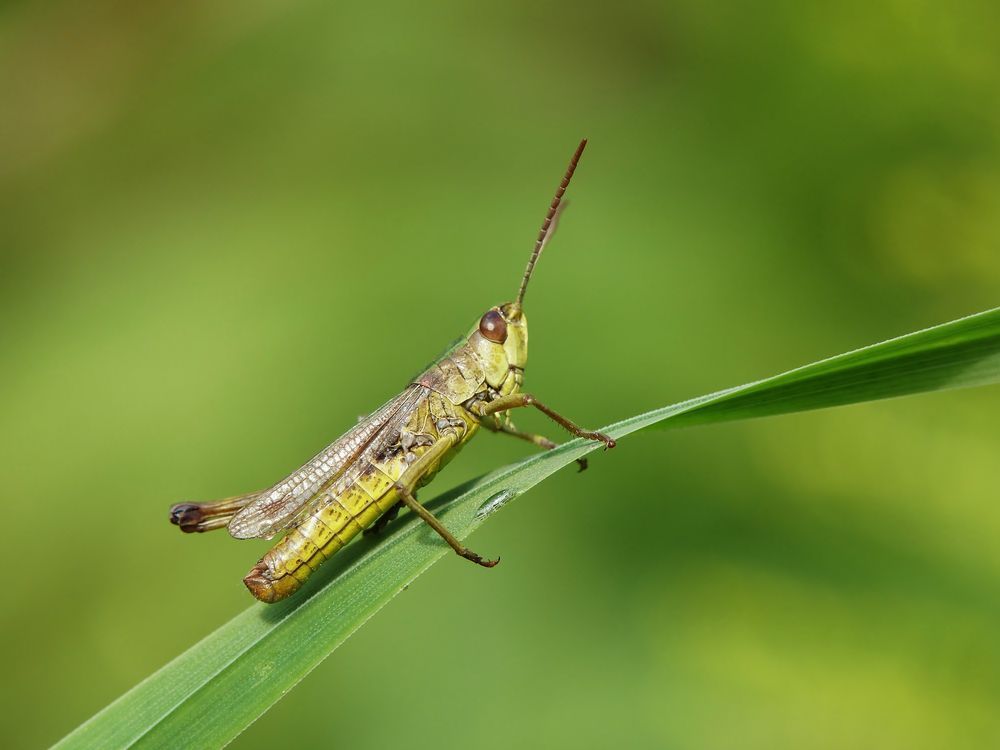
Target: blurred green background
{"points": [[227, 229]]}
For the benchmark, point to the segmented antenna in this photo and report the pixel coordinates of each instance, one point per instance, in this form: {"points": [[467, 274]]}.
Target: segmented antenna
{"points": [[548, 225]]}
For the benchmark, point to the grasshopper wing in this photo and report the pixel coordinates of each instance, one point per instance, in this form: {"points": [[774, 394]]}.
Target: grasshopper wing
{"points": [[278, 507]]}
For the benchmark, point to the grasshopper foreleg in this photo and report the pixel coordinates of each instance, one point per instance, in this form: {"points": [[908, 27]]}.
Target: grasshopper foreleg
{"points": [[407, 483], [518, 400], [541, 441]]}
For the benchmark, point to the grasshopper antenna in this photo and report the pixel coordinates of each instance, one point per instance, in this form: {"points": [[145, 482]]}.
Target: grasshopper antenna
{"points": [[551, 220]]}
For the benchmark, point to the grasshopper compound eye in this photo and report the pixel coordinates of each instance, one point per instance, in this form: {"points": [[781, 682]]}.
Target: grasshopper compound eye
{"points": [[493, 327]]}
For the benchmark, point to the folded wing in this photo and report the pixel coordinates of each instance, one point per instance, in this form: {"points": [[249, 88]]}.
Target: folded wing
{"points": [[278, 507]]}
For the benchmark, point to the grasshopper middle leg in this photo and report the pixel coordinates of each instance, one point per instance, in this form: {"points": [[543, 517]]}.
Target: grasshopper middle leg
{"points": [[426, 515], [407, 483]]}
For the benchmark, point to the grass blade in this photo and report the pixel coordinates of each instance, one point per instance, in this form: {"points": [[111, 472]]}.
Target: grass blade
{"points": [[959, 354], [209, 694]]}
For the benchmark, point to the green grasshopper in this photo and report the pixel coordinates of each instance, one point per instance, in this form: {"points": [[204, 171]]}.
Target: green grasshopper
{"points": [[361, 480]]}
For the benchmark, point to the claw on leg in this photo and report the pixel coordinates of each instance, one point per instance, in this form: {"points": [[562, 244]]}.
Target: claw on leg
{"points": [[609, 442], [468, 554]]}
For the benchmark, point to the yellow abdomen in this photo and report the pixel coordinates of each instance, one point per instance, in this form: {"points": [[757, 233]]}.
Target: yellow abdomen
{"points": [[348, 507]]}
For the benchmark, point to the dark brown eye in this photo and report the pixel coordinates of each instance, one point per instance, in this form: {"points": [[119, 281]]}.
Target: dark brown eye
{"points": [[493, 327]]}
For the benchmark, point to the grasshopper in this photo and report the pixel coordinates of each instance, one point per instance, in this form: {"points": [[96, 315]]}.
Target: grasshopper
{"points": [[361, 480]]}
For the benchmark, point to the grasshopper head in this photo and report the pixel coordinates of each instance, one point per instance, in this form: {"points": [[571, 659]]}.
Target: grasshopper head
{"points": [[500, 342]]}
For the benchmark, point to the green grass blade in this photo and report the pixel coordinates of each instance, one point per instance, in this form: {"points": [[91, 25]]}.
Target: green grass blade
{"points": [[209, 694], [959, 354]]}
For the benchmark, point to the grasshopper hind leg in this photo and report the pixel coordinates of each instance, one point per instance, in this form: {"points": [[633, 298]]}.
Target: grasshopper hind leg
{"points": [[199, 517]]}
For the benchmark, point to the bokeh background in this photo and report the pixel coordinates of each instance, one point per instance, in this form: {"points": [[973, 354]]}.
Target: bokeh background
{"points": [[227, 229]]}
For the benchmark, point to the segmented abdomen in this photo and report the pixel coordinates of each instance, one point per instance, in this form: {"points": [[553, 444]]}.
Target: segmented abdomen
{"points": [[352, 504]]}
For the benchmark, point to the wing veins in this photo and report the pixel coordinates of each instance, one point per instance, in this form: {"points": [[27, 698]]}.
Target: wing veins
{"points": [[278, 507]]}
